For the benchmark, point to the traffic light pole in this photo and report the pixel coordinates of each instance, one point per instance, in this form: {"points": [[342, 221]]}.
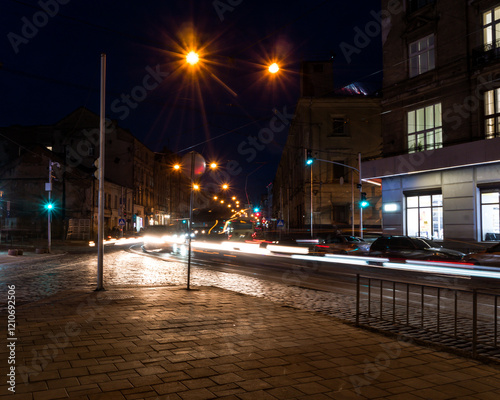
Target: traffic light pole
{"points": [[49, 211], [360, 191]]}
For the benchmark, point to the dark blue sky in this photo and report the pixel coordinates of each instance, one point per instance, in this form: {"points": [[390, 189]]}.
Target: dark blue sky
{"points": [[50, 51]]}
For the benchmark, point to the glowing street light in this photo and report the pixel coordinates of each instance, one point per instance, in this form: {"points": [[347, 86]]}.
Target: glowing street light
{"points": [[225, 186], [273, 68], [177, 167], [196, 186], [192, 57], [213, 165]]}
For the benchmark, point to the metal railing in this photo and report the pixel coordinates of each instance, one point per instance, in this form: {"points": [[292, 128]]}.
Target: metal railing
{"points": [[462, 320]]}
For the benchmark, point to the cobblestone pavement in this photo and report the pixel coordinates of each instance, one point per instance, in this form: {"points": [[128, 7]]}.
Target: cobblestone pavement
{"points": [[54, 273], [171, 343]]}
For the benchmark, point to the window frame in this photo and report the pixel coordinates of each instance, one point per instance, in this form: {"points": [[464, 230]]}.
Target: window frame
{"points": [[434, 131], [431, 207], [491, 130], [482, 205], [428, 53], [493, 26], [338, 120]]}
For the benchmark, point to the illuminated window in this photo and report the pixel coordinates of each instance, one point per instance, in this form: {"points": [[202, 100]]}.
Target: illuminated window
{"points": [[424, 216], [425, 129], [490, 215], [492, 113], [421, 55], [491, 29]]}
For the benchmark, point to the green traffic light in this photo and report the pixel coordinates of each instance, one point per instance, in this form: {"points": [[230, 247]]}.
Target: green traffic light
{"points": [[309, 162], [364, 203]]}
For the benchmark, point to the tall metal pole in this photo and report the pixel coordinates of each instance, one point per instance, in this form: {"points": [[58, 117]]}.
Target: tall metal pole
{"points": [[352, 202], [49, 211], [190, 219], [100, 216], [360, 191], [311, 200]]}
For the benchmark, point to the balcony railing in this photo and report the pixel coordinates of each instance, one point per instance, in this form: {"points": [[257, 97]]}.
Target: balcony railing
{"points": [[485, 54]]}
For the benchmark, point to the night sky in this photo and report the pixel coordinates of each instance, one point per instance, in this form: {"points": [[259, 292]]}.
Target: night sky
{"points": [[50, 51]]}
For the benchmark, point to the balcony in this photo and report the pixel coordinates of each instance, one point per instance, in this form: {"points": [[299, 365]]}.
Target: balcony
{"points": [[485, 54]]}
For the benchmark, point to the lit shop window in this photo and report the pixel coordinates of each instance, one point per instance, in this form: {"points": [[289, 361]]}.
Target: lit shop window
{"points": [[421, 55], [490, 215], [424, 216], [425, 129]]}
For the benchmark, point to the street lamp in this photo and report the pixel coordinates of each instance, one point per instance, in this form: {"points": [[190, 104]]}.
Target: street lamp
{"points": [[192, 57], [273, 68]]}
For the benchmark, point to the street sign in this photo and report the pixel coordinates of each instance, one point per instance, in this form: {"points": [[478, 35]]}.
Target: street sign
{"points": [[121, 222], [280, 223]]}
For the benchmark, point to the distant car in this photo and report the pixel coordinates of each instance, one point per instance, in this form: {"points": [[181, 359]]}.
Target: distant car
{"points": [[164, 238], [341, 244], [406, 247], [489, 257]]}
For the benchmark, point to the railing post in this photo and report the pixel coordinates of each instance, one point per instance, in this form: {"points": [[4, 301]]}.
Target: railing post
{"points": [[357, 298], [496, 322], [369, 296], [474, 323], [456, 311], [381, 297], [407, 304], [393, 302], [422, 306], [438, 307]]}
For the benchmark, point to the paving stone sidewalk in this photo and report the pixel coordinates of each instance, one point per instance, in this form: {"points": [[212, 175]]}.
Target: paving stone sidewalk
{"points": [[210, 343]]}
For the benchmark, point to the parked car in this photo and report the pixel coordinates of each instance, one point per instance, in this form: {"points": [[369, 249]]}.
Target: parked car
{"points": [[489, 257], [340, 244], [406, 247], [166, 238]]}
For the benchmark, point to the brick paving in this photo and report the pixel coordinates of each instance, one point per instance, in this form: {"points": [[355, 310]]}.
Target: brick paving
{"points": [[211, 343]]}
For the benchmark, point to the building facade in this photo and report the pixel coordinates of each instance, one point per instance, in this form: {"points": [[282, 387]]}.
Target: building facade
{"points": [[335, 128], [138, 188], [440, 117]]}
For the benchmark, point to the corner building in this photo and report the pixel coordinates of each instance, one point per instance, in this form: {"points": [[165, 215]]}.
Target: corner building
{"points": [[440, 169]]}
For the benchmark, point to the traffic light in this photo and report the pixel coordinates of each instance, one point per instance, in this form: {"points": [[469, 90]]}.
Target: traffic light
{"points": [[309, 157], [256, 209], [49, 206], [363, 203]]}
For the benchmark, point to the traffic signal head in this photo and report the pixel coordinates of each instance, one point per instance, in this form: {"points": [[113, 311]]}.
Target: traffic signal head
{"points": [[309, 157], [363, 203], [49, 206], [256, 209]]}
